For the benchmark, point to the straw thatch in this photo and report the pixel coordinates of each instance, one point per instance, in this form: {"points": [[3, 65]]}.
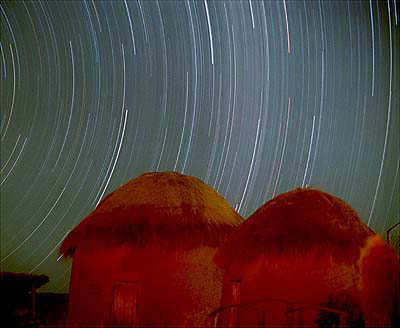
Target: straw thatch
{"points": [[168, 208], [297, 222]]}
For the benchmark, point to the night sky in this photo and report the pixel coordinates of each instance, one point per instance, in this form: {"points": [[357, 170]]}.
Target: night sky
{"points": [[254, 98]]}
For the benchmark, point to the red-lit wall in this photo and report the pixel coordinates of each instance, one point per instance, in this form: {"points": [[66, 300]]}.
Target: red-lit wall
{"points": [[305, 281], [177, 288]]}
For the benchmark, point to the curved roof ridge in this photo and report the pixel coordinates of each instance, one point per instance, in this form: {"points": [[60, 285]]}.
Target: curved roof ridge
{"points": [[299, 221], [167, 207]]}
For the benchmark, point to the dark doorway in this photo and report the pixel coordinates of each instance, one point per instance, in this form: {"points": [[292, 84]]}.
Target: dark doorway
{"points": [[125, 305]]}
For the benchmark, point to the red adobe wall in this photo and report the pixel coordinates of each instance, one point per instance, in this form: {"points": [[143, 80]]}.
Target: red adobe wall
{"points": [[300, 280], [176, 288]]}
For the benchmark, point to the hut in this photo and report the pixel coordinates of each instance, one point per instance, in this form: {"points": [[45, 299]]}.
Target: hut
{"points": [[144, 256], [19, 297], [305, 258]]}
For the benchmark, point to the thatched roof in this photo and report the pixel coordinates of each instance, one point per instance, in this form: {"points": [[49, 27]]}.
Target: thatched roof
{"points": [[168, 208], [294, 223]]}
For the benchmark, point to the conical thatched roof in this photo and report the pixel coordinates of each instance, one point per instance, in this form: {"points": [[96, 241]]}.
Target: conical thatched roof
{"points": [[168, 208], [296, 223]]}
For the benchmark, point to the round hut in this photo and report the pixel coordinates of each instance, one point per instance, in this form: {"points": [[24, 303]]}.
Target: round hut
{"points": [[144, 255], [301, 260]]}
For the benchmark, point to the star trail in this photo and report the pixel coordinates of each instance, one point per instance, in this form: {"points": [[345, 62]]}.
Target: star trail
{"points": [[253, 97]]}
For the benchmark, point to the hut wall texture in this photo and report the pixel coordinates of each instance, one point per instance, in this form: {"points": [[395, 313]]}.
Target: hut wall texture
{"points": [[303, 280], [177, 287], [369, 287]]}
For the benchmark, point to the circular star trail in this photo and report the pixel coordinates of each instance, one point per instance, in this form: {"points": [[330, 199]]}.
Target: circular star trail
{"points": [[255, 98]]}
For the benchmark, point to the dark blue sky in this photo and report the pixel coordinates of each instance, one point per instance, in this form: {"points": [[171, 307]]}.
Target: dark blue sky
{"points": [[254, 98]]}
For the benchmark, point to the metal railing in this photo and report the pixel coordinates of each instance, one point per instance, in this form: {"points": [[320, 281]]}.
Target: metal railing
{"points": [[228, 315]]}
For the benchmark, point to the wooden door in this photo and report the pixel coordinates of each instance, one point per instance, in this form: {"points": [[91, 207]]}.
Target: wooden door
{"points": [[125, 304]]}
